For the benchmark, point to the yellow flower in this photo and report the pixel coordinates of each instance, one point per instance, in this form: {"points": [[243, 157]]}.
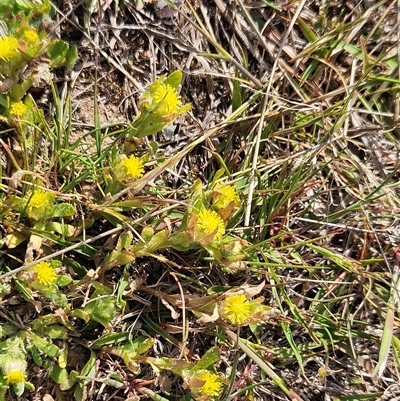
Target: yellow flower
{"points": [[236, 309], [31, 36], [38, 204], [129, 167], [212, 384], [224, 196], [45, 273], [8, 47], [14, 370], [15, 377], [210, 222], [167, 100], [18, 109]]}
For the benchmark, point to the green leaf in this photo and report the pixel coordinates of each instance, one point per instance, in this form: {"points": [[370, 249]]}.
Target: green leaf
{"points": [[42, 322], [174, 79], [53, 293], [123, 282], [72, 56], [62, 210], [57, 332], [125, 240], [211, 357], [88, 372], [44, 346], [110, 339], [81, 314], [129, 352], [19, 388], [62, 281], [61, 54], [103, 310], [63, 357], [58, 374], [64, 229], [156, 242], [180, 241], [69, 383], [118, 258], [23, 289], [37, 358]]}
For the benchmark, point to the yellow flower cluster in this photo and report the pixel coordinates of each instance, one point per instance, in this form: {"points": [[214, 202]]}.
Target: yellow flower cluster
{"points": [[8, 48], [210, 222], [210, 384], [31, 36], [162, 100], [128, 168], [37, 204], [14, 370], [18, 109], [45, 274], [167, 99], [225, 195], [236, 309], [15, 377]]}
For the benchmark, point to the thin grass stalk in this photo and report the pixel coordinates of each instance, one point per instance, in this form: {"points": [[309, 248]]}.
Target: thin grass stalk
{"points": [[263, 366]]}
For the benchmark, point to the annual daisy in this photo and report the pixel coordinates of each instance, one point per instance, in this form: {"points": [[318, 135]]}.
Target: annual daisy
{"points": [[224, 195], [31, 36], [210, 384], [128, 168], [45, 274], [38, 204], [18, 109], [210, 222], [167, 100], [14, 370], [8, 48], [236, 309]]}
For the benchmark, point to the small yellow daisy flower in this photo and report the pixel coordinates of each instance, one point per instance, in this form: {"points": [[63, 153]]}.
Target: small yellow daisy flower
{"points": [[208, 222], [15, 377], [167, 100], [212, 385], [18, 109], [38, 204], [236, 309], [129, 167], [224, 196], [31, 36], [14, 370], [45, 273], [8, 48]]}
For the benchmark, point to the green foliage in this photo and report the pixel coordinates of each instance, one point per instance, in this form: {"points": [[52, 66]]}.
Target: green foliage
{"points": [[118, 259], [22, 46]]}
